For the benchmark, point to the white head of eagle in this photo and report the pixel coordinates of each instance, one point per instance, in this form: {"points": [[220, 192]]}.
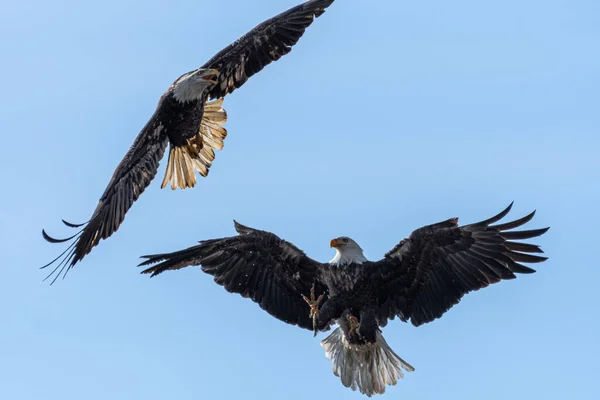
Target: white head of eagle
{"points": [[347, 251], [192, 86]]}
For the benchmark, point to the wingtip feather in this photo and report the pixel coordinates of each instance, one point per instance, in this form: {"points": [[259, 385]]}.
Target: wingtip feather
{"points": [[241, 229], [72, 225]]}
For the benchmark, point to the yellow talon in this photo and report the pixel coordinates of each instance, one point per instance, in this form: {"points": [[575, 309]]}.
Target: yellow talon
{"points": [[353, 324], [314, 306]]}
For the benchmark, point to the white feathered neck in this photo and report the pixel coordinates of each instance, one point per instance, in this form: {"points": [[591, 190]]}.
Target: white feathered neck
{"points": [[351, 253]]}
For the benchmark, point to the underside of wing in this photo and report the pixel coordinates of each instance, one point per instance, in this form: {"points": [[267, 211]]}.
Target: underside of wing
{"points": [[199, 153], [432, 270], [255, 264], [131, 177], [264, 44]]}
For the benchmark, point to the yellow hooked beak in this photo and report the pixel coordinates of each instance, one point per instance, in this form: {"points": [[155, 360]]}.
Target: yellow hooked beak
{"points": [[334, 243], [211, 75]]}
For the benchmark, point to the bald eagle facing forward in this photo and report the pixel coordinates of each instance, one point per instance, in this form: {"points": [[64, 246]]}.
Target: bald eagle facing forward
{"points": [[191, 125], [418, 280]]}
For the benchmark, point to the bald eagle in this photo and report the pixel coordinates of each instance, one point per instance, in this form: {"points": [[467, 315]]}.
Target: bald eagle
{"points": [[189, 123], [418, 280]]}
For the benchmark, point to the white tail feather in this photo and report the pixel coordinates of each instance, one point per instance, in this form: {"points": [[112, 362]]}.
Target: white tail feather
{"points": [[369, 367], [198, 154]]}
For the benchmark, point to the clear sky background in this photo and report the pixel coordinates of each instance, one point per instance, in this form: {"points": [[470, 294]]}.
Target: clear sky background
{"points": [[387, 115]]}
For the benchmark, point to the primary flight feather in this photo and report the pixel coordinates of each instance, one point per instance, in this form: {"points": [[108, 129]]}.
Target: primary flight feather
{"points": [[189, 123]]}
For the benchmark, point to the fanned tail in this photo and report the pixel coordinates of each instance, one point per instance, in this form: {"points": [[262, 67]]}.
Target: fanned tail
{"points": [[198, 154], [368, 367]]}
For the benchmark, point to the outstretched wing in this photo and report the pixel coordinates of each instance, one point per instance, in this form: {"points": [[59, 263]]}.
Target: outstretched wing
{"points": [[264, 44], [133, 174], [256, 264], [428, 273]]}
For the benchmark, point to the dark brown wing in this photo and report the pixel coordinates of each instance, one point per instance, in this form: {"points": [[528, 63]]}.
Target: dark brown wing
{"points": [[428, 273], [131, 177], [256, 264], [264, 44]]}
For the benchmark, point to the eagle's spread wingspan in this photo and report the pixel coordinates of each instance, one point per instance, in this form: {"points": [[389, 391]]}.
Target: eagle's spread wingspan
{"points": [[256, 264], [189, 124], [267, 42], [428, 273], [418, 280]]}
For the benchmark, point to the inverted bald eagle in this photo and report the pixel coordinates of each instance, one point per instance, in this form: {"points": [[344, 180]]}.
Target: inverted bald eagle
{"points": [[418, 280], [191, 125]]}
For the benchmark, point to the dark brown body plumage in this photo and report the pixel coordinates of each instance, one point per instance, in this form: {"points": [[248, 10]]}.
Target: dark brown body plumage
{"points": [[181, 121]]}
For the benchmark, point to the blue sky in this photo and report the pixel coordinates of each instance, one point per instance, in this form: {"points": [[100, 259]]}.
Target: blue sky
{"points": [[385, 117]]}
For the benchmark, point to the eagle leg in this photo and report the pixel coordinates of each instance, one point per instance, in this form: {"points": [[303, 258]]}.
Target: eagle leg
{"points": [[314, 306], [353, 321]]}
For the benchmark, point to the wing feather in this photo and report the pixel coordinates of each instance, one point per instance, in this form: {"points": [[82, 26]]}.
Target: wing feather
{"points": [[131, 177], [267, 42], [257, 265], [524, 234], [425, 275], [525, 247]]}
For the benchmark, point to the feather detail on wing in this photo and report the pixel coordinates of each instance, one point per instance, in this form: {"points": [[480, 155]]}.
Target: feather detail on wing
{"points": [[131, 177], [428, 273], [199, 152], [257, 265], [267, 42]]}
